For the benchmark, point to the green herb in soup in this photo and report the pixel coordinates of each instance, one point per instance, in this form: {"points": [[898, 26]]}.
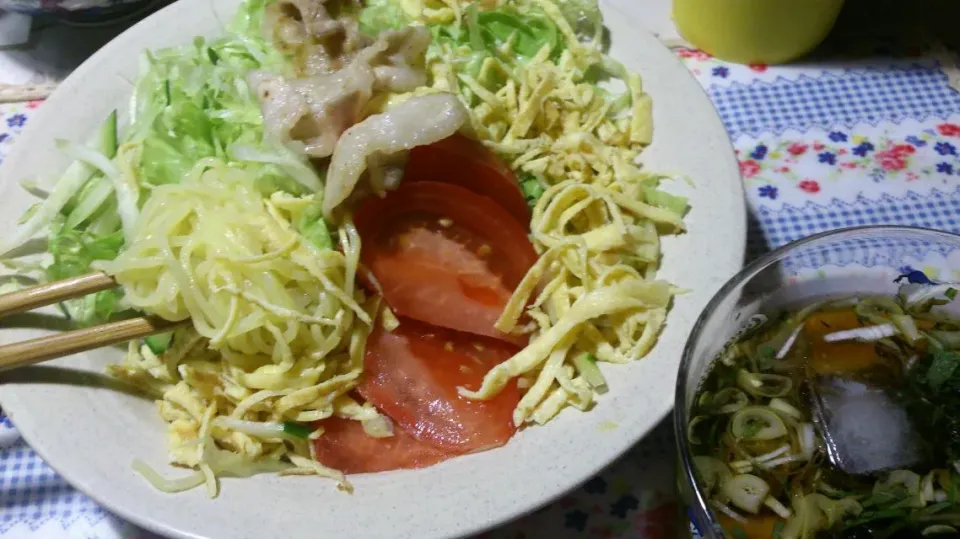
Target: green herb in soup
{"points": [[840, 419]]}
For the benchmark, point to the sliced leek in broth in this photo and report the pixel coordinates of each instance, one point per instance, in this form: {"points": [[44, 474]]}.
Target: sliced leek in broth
{"points": [[776, 422]]}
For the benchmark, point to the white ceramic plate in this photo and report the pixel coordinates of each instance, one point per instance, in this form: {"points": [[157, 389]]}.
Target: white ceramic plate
{"points": [[90, 435]]}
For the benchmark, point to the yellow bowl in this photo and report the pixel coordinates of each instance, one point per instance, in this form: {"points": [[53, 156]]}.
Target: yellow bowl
{"points": [[756, 31]]}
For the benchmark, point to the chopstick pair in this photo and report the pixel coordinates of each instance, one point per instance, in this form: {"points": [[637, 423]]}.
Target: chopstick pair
{"points": [[71, 342]]}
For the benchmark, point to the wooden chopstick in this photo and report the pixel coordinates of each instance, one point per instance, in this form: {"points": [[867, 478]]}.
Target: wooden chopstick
{"points": [[45, 294], [63, 344], [72, 342]]}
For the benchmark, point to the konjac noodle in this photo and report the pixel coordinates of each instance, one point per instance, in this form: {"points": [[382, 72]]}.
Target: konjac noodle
{"points": [[838, 418]]}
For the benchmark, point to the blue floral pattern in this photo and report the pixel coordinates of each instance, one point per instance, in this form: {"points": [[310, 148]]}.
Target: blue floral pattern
{"points": [[17, 120]]}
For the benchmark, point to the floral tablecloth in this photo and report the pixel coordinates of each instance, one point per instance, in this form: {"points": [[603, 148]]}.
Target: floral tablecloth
{"points": [[821, 146]]}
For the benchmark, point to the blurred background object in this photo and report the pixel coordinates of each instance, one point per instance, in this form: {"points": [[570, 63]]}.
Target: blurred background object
{"points": [[80, 11], [861, 26], [42, 41], [756, 31]]}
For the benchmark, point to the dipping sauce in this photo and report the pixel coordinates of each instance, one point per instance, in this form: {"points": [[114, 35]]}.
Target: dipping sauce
{"points": [[835, 419]]}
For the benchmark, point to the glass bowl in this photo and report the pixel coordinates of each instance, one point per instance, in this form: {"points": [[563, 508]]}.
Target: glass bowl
{"points": [[861, 260]]}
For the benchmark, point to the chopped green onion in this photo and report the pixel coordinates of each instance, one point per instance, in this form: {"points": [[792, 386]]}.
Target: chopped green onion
{"points": [[757, 423], [946, 339], [730, 400], [532, 189], [777, 507], [785, 408], [473, 28], [764, 385], [837, 510], [877, 310], [711, 471], [936, 508], [746, 492], [586, 365], [691, 429]]}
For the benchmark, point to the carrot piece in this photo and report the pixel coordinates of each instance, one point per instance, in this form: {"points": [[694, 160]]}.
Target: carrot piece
{"points": [[837, 357], [756, 527]]}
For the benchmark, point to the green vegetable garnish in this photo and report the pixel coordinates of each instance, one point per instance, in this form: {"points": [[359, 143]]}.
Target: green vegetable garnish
{"points": [[752, 428], [778, 529], [312, 226], [674, 203], [296, 429], [187, 107], [532, 189], [73, 251], [159, 343], [944, 365]]}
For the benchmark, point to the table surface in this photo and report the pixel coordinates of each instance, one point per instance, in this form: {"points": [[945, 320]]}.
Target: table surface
{"points": [[866, 132]]}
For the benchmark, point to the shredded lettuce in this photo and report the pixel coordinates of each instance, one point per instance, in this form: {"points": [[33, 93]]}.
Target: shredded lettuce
{"points": [[380, 15], [504, 35], [530, 32], [73, 251], [488, 32], [192, 103]]}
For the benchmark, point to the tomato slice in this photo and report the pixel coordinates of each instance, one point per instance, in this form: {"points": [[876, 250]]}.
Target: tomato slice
{"points": [[412, 375], [346, 447], [468, 163], [444, 255]]}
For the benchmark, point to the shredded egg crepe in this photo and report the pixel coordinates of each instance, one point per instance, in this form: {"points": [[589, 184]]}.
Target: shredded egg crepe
{"points": [[281, 320], [592, 295]]}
